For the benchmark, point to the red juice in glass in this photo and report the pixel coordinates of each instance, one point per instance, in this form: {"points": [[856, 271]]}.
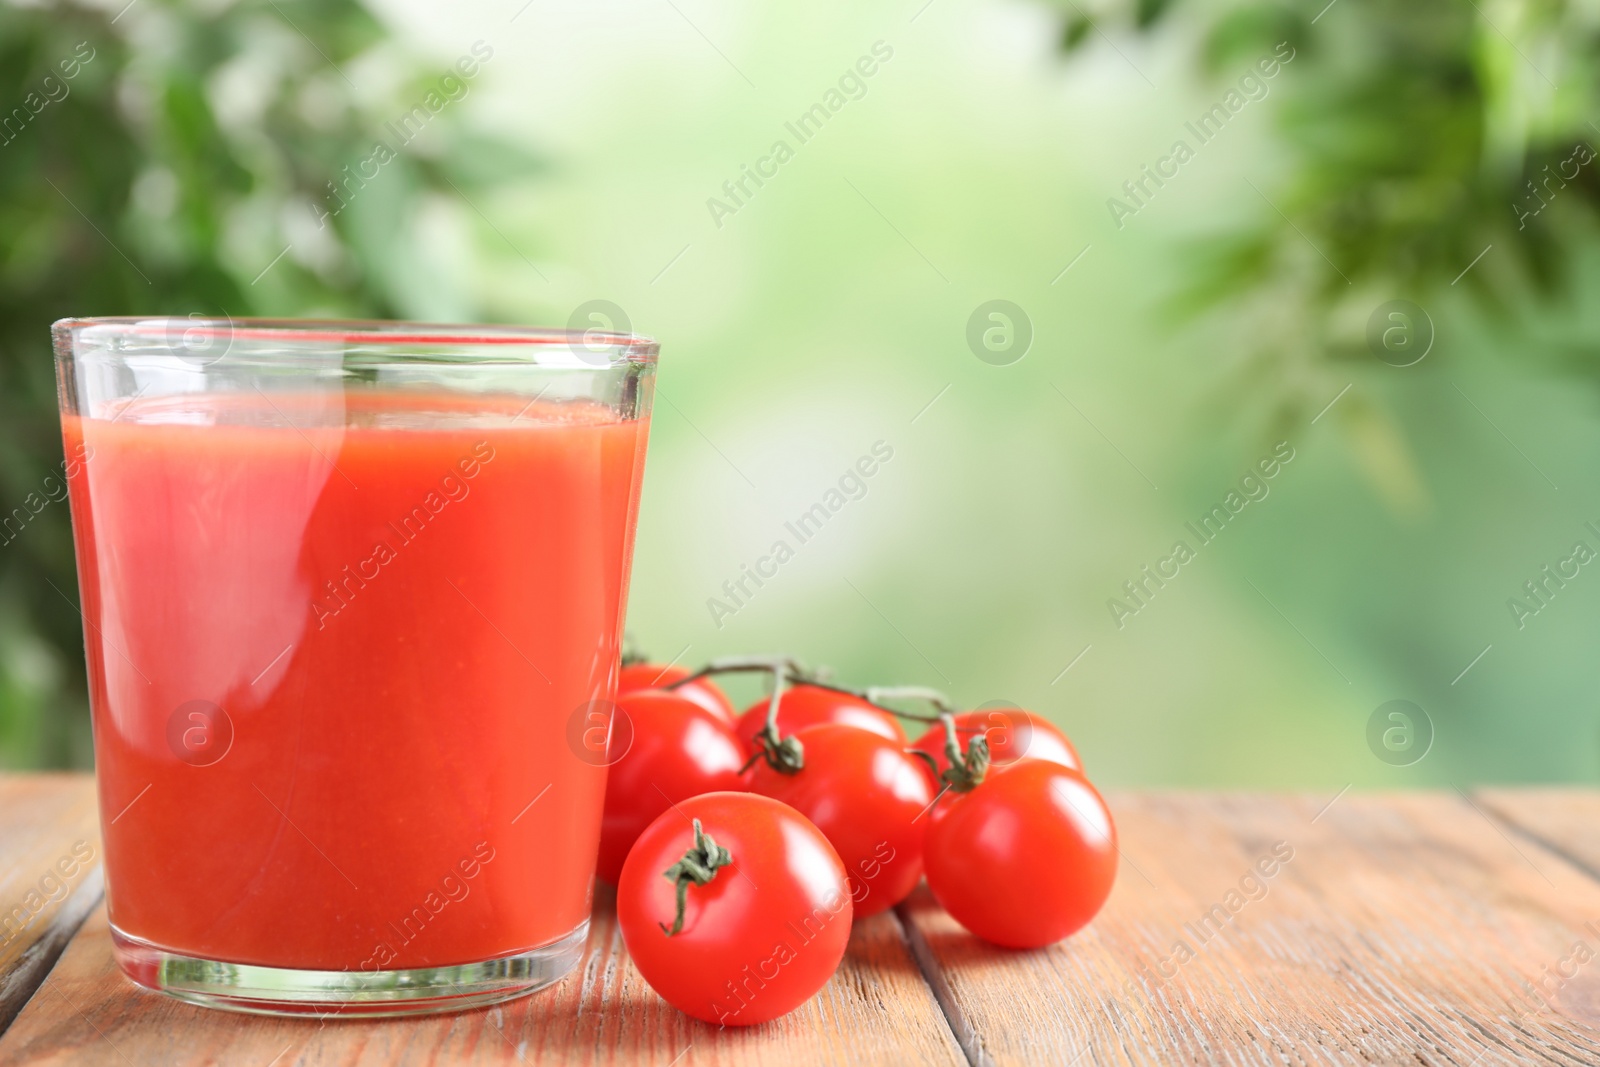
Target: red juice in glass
{"points": [[351, 595]]}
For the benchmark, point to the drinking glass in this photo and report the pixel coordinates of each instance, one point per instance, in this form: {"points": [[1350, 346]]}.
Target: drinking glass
{"points": [[352, 593]]}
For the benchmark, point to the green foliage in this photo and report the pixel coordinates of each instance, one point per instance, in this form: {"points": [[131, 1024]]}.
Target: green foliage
{"points": [[1415, 134], [189, 147]]}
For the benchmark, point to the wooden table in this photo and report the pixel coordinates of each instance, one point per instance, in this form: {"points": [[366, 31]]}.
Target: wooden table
{"points": [[1423, 928]]}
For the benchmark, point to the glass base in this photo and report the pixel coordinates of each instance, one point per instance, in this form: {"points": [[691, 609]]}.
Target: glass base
{"points": [[345, 994]]}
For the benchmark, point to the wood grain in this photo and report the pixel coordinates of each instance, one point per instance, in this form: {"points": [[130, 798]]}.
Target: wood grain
{"points": [[1430, 929], [1565, 820], [1403, 929], [876, 1010], [49, 876]]}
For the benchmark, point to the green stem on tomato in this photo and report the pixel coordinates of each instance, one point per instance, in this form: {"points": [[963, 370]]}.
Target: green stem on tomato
{"points": [[699, 865], [740, 664], [786, 755], [796, 673], [926, 757], [783, 754], [877, 694], [967, 769]]}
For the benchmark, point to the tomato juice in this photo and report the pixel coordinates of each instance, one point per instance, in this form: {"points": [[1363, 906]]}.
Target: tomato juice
{"points": [[334, 643]]}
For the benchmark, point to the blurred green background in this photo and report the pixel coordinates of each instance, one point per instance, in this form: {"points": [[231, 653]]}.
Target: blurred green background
{"points": [[1427, 151]]}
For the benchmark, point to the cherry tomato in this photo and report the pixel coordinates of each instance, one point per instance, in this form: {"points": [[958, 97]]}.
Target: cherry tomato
{"points": [[679, 750], [811, 705], [1012, 735], [702, 691], [869, 799], [1026, 858], [744, 954]]}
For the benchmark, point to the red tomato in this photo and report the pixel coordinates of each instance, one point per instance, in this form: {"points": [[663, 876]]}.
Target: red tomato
{"points": [[1012, 734], [811, 705], [679, 750], [744, 954], [702, 691], [1026, 858], [869, 799]]}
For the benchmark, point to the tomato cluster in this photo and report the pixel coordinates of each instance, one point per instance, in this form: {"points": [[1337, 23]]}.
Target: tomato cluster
{"points": [[743, 846]]}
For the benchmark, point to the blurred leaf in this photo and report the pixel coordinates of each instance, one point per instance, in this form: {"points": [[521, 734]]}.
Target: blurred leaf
{"points": [[1416, 136], [1075, 32], [1238, 37], [1147, 12], [189, 146]]}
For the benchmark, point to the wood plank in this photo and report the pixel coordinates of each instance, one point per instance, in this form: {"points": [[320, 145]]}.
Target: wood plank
{"points": [[1404, 928], [876, 1010], [50, 876], [1565, 820]]}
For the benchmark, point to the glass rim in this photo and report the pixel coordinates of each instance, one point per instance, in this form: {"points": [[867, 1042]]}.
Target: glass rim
{"points": [[496, 342]]}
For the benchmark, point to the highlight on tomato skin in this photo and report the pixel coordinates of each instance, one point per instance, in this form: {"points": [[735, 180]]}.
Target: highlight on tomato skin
{"points": [[702, 691], [743, 955], [804, 705], [1026, 858], [1012, 734], [678, 750], [869, 797]]}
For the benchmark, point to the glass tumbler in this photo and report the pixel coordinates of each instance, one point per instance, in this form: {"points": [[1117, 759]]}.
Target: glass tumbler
{"points": [[352, 593]]}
